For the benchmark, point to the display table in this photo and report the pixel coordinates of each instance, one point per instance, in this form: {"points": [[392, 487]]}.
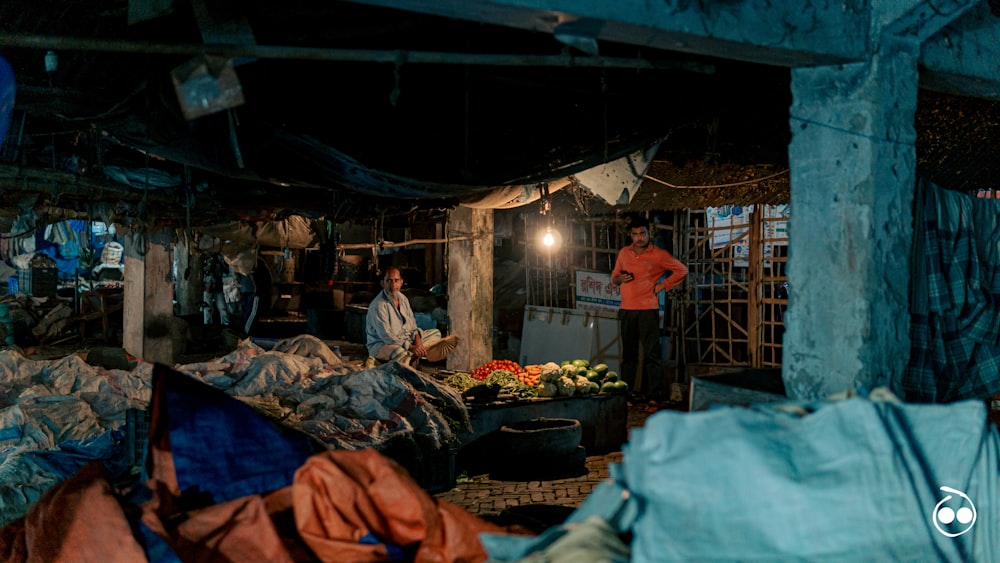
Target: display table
{"points": [[604, 418]]}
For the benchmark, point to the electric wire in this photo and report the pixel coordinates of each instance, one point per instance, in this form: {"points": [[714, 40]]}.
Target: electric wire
{"points": [[754, 181]]}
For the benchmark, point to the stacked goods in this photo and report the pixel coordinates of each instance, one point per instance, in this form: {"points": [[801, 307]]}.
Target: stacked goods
{"points": [[603, 380], [556, 381], [532, 375], [608, 381], [461, 381]]}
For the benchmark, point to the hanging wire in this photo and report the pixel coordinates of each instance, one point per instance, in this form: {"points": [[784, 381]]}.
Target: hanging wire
{"points": [[754, 181], [604, 110]]}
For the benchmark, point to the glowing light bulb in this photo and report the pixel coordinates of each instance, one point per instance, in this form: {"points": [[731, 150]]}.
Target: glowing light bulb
{"points": [[549, 239]]}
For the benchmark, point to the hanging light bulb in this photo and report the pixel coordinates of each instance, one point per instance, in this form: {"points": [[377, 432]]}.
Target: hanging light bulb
{"points": [[549, 239]]}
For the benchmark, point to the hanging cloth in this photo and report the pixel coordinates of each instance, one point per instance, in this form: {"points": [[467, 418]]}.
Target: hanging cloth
{"points": [[955, 307]]}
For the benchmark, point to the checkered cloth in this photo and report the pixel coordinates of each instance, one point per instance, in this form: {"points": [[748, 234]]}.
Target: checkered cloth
{"points": [[955, 309]]}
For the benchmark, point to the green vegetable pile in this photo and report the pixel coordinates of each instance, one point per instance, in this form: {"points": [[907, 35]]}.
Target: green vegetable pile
{"points": [[461, 381], [509, 384]]}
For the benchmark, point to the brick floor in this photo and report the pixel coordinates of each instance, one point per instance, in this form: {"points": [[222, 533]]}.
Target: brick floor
{"points": [[481, 495]]}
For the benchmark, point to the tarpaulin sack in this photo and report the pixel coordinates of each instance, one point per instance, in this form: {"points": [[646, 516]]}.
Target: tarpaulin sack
{"points": [[854, 480], [220, 488], [851, 480], [212, 462]]}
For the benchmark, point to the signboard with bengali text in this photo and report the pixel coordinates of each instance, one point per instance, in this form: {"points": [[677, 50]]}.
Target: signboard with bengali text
{"points": [[595, 292]]}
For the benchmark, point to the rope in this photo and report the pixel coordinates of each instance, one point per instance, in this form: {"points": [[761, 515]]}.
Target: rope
{"points": [[669, 185]]}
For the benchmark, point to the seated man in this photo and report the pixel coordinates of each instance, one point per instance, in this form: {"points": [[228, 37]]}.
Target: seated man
{"points": [[391, 331]]}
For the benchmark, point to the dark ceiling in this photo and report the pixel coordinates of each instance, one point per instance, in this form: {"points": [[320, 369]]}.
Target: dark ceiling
{"points": [[352, 111], [337, 134]]}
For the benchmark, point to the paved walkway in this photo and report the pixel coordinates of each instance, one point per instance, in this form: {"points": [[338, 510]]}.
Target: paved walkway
{"points": [[486, 497]]}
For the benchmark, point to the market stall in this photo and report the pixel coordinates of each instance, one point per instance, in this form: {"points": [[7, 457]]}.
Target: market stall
{"points": [[502, 395]]}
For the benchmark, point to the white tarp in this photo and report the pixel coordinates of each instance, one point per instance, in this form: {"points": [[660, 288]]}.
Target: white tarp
{"points": [[57, 414]]}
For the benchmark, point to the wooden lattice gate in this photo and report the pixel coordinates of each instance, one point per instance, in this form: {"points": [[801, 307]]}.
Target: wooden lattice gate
{"points": [[731, 311], [728, 313]]}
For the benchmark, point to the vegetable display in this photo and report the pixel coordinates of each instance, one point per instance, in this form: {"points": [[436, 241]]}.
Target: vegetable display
{"points": [[484, 371], [567, 378]]}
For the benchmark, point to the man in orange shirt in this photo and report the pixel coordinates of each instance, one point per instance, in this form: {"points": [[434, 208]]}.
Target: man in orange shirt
{"points": [[637, 272]]}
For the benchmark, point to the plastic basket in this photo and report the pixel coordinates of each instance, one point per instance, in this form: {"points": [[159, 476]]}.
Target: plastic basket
{"points": [[36, 281], [136, 436]]}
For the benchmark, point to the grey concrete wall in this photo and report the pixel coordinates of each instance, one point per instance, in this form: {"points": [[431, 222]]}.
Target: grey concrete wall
{"points": [[853, 174]]}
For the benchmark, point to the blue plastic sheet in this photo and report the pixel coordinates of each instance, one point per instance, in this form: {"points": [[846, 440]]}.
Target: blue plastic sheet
{"points": [[222, 447], [7, 94]]}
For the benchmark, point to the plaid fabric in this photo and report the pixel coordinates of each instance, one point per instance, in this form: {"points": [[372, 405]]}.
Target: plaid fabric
{"points": [[955, 308]]}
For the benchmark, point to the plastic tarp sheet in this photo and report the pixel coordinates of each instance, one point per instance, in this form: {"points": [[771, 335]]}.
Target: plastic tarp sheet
{"points": [[223, 483], [294, 231], [849, 480], [55, 416], [66, 412], [345, 406]]}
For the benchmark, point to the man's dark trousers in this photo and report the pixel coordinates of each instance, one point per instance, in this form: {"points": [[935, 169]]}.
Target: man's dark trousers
{"points": [[641, 329]]}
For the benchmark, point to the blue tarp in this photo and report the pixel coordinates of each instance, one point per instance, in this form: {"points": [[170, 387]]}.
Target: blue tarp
{"points": [[223, 448]]}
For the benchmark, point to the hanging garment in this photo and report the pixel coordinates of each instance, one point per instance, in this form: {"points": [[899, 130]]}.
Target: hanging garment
{"points": [[955, 308]]}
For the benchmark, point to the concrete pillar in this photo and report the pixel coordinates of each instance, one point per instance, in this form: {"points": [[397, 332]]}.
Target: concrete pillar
{"points": [[853, 177], [470, 286], [149, 294]]}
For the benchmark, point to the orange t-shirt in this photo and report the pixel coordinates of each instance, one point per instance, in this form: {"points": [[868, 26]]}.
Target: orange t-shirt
{"points": [[640, 293]]}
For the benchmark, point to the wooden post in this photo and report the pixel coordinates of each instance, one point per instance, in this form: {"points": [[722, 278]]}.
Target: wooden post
{"points": [[470, 286], [149, 292], [755, 293]]}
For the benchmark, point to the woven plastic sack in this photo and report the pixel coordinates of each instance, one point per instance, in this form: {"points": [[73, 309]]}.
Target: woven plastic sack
{"points": [[853, 480]]}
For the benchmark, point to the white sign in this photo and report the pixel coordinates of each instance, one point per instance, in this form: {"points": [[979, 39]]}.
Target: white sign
{"points": [[730, 227], [595, 292]]}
